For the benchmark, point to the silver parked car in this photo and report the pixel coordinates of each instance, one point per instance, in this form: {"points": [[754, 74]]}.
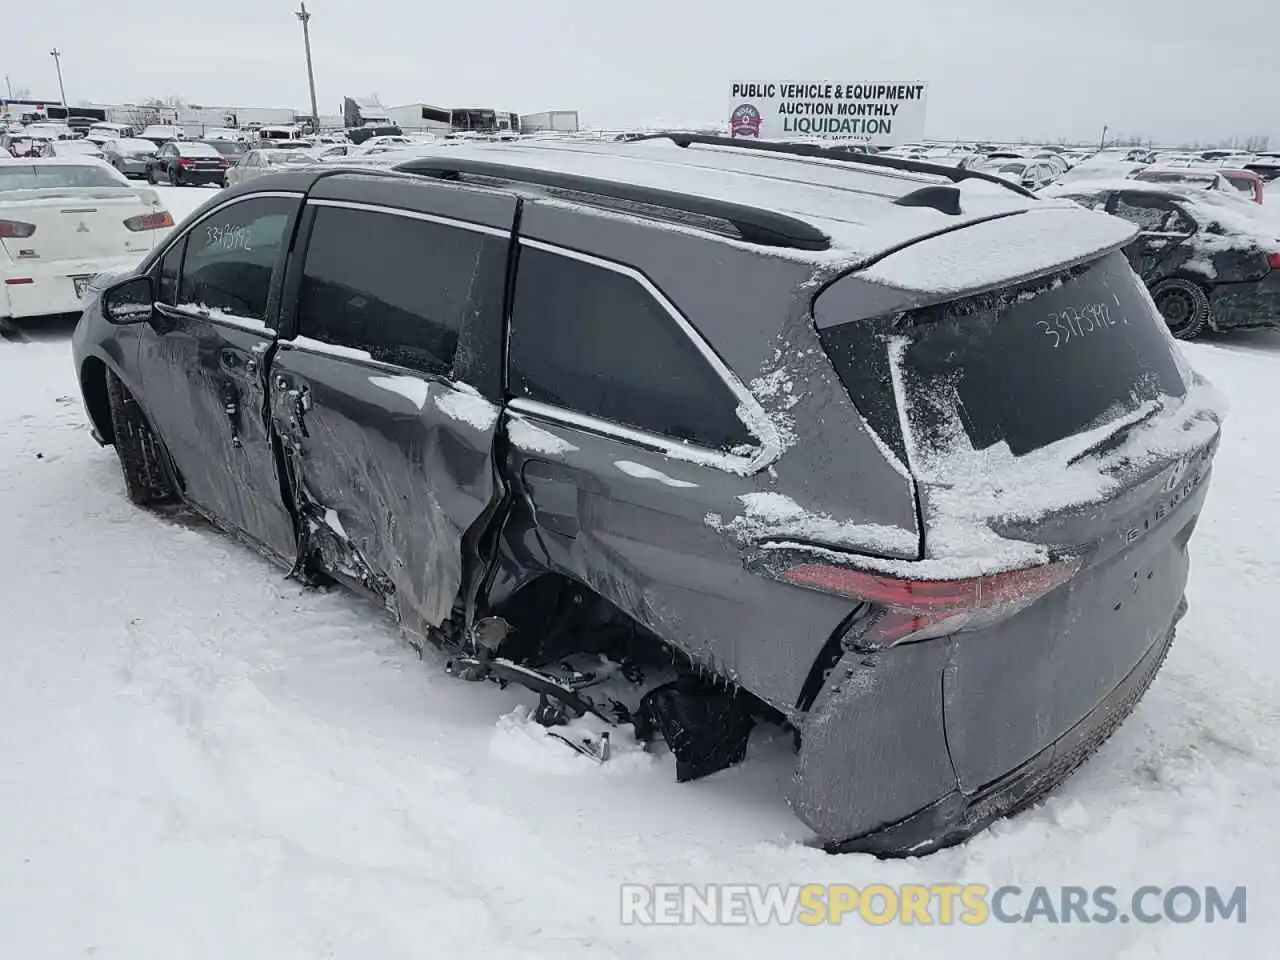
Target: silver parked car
{"points": [[129, 155], [255, 163], [77, 149]]}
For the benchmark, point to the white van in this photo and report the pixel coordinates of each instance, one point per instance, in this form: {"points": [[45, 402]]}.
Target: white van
{"points": [[100, 133]]}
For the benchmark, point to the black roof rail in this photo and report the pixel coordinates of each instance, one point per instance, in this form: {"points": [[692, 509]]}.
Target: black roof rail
{"points": [[954, 174], [753, 224]]}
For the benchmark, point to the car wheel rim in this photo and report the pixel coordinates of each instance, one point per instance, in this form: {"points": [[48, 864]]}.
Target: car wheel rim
{"points": [[1178, 309]]}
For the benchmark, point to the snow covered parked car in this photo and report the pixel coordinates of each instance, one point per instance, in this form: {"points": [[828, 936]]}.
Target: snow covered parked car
{"points": [[1206, 178], [1209, 258], [61, 223], [101, 133], [257, 163], [634, 425], [1032, 174], [84, 149]]}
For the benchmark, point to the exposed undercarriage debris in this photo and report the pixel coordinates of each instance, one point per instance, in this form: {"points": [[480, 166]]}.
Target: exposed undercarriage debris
{"points": [[581, 655]]}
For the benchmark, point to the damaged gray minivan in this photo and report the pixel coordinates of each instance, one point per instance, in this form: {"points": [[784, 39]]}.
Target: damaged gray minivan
{"points": [[693, 434]]}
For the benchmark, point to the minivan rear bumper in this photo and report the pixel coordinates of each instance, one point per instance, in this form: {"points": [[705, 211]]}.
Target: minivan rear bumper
{"points": [[957, 816], [919, 746]]}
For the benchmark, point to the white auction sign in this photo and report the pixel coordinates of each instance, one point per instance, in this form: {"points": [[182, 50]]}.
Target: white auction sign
{"points": [[877, 113]]}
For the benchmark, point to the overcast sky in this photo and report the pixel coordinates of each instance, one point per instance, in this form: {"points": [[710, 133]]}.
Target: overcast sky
{"points": [[1168, 69]]}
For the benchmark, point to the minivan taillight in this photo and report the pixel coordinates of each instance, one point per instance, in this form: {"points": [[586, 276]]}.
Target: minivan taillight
{"points": [[921, 609], [16, 230], [1274, 260], [150, 221]]}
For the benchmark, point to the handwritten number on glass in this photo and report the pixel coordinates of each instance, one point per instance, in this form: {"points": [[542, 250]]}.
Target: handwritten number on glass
{"points": [[1078, 322], [229, 237]]}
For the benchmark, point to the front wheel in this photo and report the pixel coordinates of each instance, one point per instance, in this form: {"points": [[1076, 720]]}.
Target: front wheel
{"points": [[151, 177], [143, 459], [1184, 306]]}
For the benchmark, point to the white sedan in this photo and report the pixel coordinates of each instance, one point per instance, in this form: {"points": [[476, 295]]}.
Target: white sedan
{"points": [[62, 222]]}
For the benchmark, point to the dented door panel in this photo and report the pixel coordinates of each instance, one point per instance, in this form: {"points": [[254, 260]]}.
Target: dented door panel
{"points": [[388, 469], [646, 532]]}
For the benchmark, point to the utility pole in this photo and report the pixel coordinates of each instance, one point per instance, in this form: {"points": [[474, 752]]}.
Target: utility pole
{"points": [[305, 17], [8, 86], [1103, 145], [58, 62]]}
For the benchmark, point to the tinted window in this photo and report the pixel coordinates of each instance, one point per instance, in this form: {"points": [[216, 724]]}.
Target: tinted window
{"points": [[401, 288], [231, 256], [170, 269], [1026, 366], [595, 341]]}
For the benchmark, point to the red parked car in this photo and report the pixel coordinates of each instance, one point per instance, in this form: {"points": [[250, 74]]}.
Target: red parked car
{"points": [[1246, 181]]}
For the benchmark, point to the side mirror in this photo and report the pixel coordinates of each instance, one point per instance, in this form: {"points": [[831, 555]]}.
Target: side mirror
{"points": [[129, 302]]}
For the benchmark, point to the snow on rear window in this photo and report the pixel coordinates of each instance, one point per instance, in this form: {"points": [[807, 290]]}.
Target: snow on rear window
{"points": [[197, 150], [1030, 367], [42, 176]]}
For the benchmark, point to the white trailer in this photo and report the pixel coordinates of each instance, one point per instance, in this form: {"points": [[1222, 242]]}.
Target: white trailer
{"points": [[421, 118], [261, 116], [550, 121]]}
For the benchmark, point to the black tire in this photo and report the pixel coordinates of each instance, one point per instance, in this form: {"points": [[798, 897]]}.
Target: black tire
{"points": [[151, 176], [1184, 306], [143, 459], [175, 178]]}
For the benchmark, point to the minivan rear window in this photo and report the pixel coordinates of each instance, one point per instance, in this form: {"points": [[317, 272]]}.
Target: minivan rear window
{"points": [[1026, 366]]}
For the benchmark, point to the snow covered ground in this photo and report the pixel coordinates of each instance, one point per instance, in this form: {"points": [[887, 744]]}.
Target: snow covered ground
{"points": [[199, 759]]}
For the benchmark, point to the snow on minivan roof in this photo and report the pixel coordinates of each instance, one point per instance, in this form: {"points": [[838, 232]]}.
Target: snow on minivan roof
{"points": [[851, 202]]}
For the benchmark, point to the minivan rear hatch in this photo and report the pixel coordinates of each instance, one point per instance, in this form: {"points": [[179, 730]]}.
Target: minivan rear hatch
{"points": [[1048, 384], [1059, 446]]}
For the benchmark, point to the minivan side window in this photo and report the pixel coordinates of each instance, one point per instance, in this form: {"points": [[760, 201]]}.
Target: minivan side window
{"points": [[232, 254], [400, 287], [595, 341]]}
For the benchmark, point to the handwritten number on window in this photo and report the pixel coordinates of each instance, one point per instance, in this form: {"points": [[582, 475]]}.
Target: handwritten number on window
{"points": [[1077, 322], [229, 237]]}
